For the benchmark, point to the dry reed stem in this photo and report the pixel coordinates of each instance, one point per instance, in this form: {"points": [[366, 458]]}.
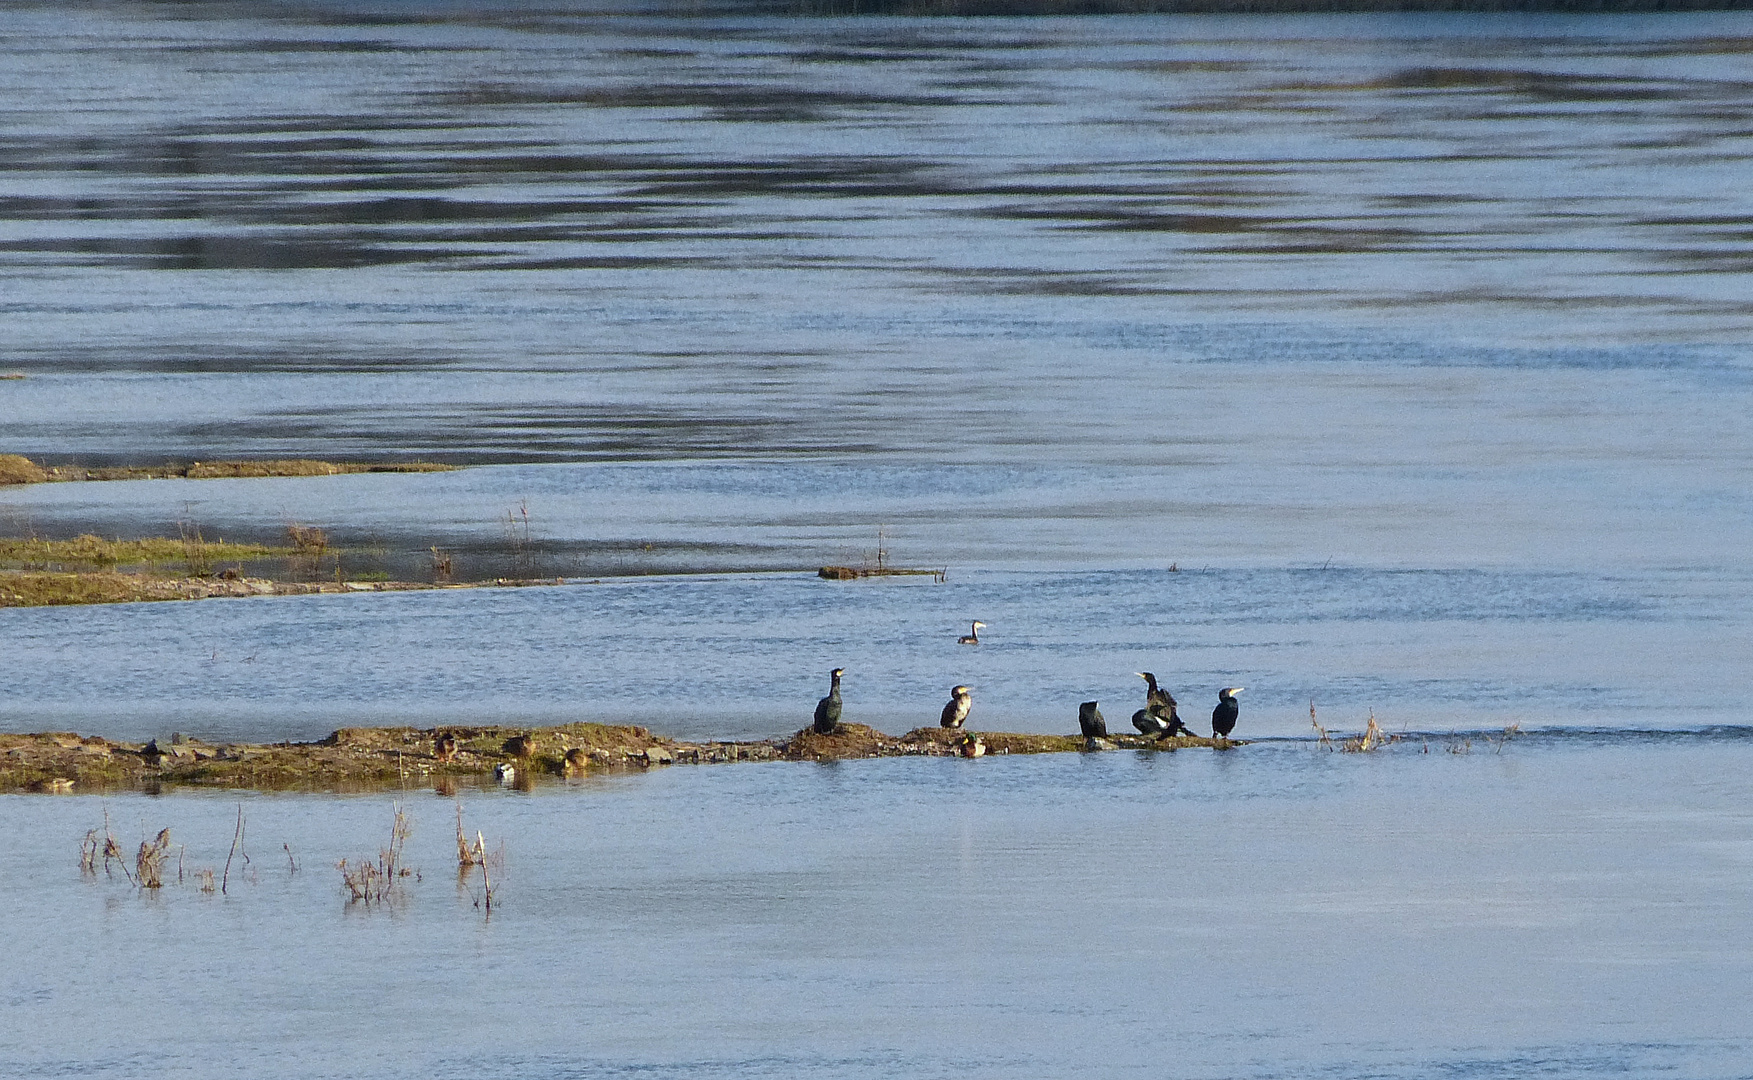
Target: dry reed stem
{"points": [[1326, 740], [467, 855], [149, 862], [374, 882], [236, 845]]}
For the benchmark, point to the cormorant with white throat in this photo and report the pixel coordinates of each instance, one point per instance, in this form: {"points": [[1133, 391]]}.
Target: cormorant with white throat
{"points": [[955, 714], [1223, 718], [828, 709], [1158, 717]]}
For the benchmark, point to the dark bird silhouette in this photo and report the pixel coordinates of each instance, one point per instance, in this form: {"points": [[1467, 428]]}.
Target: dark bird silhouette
{"points": [[444, 746], [1089, 720], [1223, 718], [972, 637], [828, 709], [1158, 717], [956, 712]]}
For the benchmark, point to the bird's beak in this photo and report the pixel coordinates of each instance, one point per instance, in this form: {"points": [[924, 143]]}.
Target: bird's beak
{"points": [[1234, 690], [1140, 674]]}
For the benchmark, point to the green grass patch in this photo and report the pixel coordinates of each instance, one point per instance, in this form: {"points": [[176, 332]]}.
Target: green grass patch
{"points": [[95, 553]]}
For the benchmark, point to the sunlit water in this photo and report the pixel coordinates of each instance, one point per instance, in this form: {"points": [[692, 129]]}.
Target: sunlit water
{"points": [[1387, 364], [1278, 912]]}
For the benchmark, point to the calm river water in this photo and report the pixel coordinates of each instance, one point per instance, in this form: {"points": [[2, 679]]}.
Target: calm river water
{"points": [[1392, 364]]}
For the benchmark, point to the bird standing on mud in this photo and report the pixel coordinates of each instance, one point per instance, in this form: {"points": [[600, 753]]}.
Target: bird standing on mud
{"points": [[955, 714], [828, 709], [1223, 718], [1090, 722], [972, 637], [1158, 717]]}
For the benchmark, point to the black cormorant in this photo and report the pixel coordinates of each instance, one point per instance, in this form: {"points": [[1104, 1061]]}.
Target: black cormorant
{"points": [[1223, 718], [828, 709], [956, 712], [1158, 717], [1089, 719], [972, 637]]}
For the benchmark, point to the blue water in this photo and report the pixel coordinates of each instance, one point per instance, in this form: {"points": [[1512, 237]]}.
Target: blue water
{"points": [[1388, 365], [1283, 911]]}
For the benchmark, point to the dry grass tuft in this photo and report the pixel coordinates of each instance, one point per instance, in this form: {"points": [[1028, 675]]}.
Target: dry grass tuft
{"points": [[149, 863], [104, 847], [374, 881], [308, 541], [468, 855], [20, 470], [1373, 738]]}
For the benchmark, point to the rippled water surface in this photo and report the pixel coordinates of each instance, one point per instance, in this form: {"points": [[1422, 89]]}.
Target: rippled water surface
{"points": [[1391, 364], [1283, 911]]}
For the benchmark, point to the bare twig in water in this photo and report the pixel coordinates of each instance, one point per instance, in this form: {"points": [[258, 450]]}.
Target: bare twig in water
{"points": [[467, 855], [373, 882], [293, 863], [490, 862], [236, 844], [1509, 732], [95, 847], [1326, 740]]}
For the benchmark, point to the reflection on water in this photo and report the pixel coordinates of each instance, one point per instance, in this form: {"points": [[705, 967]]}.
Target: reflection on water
{"points": [[1278, 911], [1391, 363], [534, 233], [747, 656]]}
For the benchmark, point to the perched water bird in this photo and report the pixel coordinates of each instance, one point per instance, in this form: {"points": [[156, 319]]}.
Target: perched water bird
{"points": [[444, 746], [973, 746], [972, 637], [1089, 720], [520, 745], [1223, 718], [1158, 717], [956, 712], [504, 772], [828, 709], [577, 760], [1148, 724]]}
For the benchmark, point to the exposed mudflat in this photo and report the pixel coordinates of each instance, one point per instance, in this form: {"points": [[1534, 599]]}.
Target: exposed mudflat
{"points": [[361, 759], [25, 588]]}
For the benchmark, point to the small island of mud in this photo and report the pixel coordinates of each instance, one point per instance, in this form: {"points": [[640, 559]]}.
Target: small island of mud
{"points": [[374, 759], [16, 469]]}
